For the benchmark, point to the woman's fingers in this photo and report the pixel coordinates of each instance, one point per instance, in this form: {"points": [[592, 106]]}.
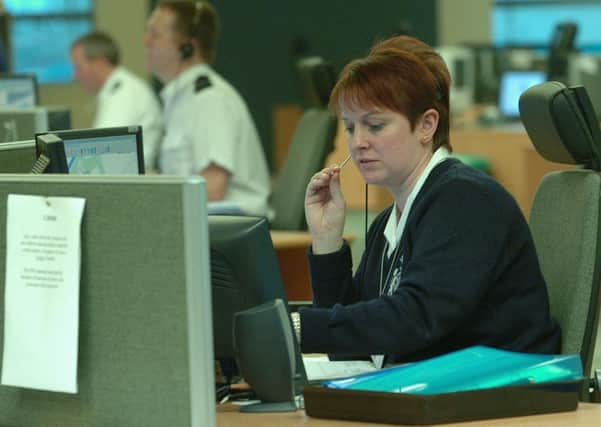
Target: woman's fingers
{"points": [[321, 180]]}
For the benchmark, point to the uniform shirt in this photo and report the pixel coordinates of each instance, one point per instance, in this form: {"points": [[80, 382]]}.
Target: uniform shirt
{"points": [[126, 100], [208, 122]]}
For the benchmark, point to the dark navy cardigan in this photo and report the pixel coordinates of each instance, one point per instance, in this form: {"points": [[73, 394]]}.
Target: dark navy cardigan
{"points": [[470, 275]]}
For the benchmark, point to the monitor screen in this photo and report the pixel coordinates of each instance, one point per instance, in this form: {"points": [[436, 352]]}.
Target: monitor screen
{"points": [[513, 84], [104, 151], [244, 273], [18, 90]]}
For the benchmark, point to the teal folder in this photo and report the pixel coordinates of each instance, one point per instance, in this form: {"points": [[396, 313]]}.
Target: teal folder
{"points": [[473, 368]]}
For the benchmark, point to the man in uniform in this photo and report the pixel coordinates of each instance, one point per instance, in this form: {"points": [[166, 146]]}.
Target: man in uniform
{"points": [[209, 130], [122, 98]]}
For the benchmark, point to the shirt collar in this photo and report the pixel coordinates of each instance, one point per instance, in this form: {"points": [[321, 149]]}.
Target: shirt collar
{"points": [[395, 227], [183, 80]]}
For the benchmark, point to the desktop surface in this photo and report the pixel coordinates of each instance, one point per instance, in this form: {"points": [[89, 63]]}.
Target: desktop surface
{"points": [[229, 415]]}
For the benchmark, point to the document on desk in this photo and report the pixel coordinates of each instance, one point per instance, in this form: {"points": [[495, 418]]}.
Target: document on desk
{"points": [[41, 304], [321, 368]]}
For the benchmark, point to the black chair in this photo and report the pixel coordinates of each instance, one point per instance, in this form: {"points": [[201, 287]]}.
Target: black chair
{"points": [[312, 141], [565, 218], [316, 78], [561, 47]]}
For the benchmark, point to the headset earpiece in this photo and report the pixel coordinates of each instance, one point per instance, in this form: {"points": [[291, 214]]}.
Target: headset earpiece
{"points": [[186, 50]]}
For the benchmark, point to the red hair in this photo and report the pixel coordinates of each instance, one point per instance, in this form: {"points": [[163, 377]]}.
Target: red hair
{"points": [[401, 74]]}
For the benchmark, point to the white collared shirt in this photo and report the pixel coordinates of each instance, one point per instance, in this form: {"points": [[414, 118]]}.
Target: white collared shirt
{"points": [[208, 122], [126, 100]]}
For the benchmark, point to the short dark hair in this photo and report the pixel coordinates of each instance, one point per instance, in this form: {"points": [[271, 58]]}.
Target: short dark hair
{"points": [[402, 74], [196, 20], [98, 44]]}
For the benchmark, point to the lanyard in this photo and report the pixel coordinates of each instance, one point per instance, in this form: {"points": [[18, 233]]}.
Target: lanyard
{"points": [[385, 283]]}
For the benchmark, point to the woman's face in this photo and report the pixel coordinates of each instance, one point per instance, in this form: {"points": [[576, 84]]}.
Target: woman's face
{"points": [[383, 146]]}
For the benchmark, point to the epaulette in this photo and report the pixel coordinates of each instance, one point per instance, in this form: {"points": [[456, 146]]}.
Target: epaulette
{"points": [[115, 86], [202, 82]]}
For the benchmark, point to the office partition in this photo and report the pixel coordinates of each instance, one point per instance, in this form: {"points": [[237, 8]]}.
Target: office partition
{"points": [[17, 157], [145, 330]]}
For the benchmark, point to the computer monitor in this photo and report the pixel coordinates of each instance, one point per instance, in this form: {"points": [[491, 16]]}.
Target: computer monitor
{"points": [[145, 353], [513, 84], [17, 157], [17, 124], [59, 117], [244, 273], [486, 73], [585, 70], [50, 155], [103, 151], [18, 90], [461, 63]]}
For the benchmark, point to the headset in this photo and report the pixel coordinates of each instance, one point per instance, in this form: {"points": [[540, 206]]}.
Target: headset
{"points": [[186, 49]]}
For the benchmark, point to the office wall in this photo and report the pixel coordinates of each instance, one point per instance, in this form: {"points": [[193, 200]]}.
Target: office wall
{"points": [[460, 21], [261, 39], [259, 43], [124, 20]]}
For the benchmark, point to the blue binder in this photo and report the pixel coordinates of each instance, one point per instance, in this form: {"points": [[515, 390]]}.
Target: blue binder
{"points": [[473, 368]]}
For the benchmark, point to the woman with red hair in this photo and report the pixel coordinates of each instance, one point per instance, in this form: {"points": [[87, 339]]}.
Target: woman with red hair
{"points": [[451, 263]]}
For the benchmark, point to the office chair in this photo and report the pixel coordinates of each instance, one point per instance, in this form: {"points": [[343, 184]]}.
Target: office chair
{"points": [[316, 78], [562, 45], [312, 141], [565, 217]]}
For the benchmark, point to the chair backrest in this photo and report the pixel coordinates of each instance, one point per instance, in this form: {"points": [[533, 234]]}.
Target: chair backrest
{"points": [[311, 143], [565, 216], [563, 43], [316, 79]]}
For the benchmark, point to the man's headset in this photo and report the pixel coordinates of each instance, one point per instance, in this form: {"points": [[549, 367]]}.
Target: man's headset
{"points": [[186, 49]]}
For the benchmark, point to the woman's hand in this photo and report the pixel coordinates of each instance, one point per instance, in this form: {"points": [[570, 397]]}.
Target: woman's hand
{"points": [[325, 210]]}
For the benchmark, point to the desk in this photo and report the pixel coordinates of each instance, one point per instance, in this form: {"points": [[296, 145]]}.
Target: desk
{"points": [[587, 415], [291, 249], [513, 160]]}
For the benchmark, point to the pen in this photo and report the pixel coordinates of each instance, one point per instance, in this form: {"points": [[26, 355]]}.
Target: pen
{"points": [[341, 165]]}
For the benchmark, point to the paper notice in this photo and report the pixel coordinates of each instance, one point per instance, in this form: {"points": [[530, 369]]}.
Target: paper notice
{"points": [[321, 368], [43, 251]]}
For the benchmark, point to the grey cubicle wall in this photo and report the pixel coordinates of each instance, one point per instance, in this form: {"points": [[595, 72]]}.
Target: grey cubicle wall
{"points": [[145, 338], [17, 157]]}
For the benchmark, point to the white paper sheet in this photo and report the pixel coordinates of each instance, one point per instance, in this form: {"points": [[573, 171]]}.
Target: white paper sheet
{"points": [[43, 254], [321, 368]]}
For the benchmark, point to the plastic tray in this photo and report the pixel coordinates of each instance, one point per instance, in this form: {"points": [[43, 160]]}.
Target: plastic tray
{"points": [[402, 408]]}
